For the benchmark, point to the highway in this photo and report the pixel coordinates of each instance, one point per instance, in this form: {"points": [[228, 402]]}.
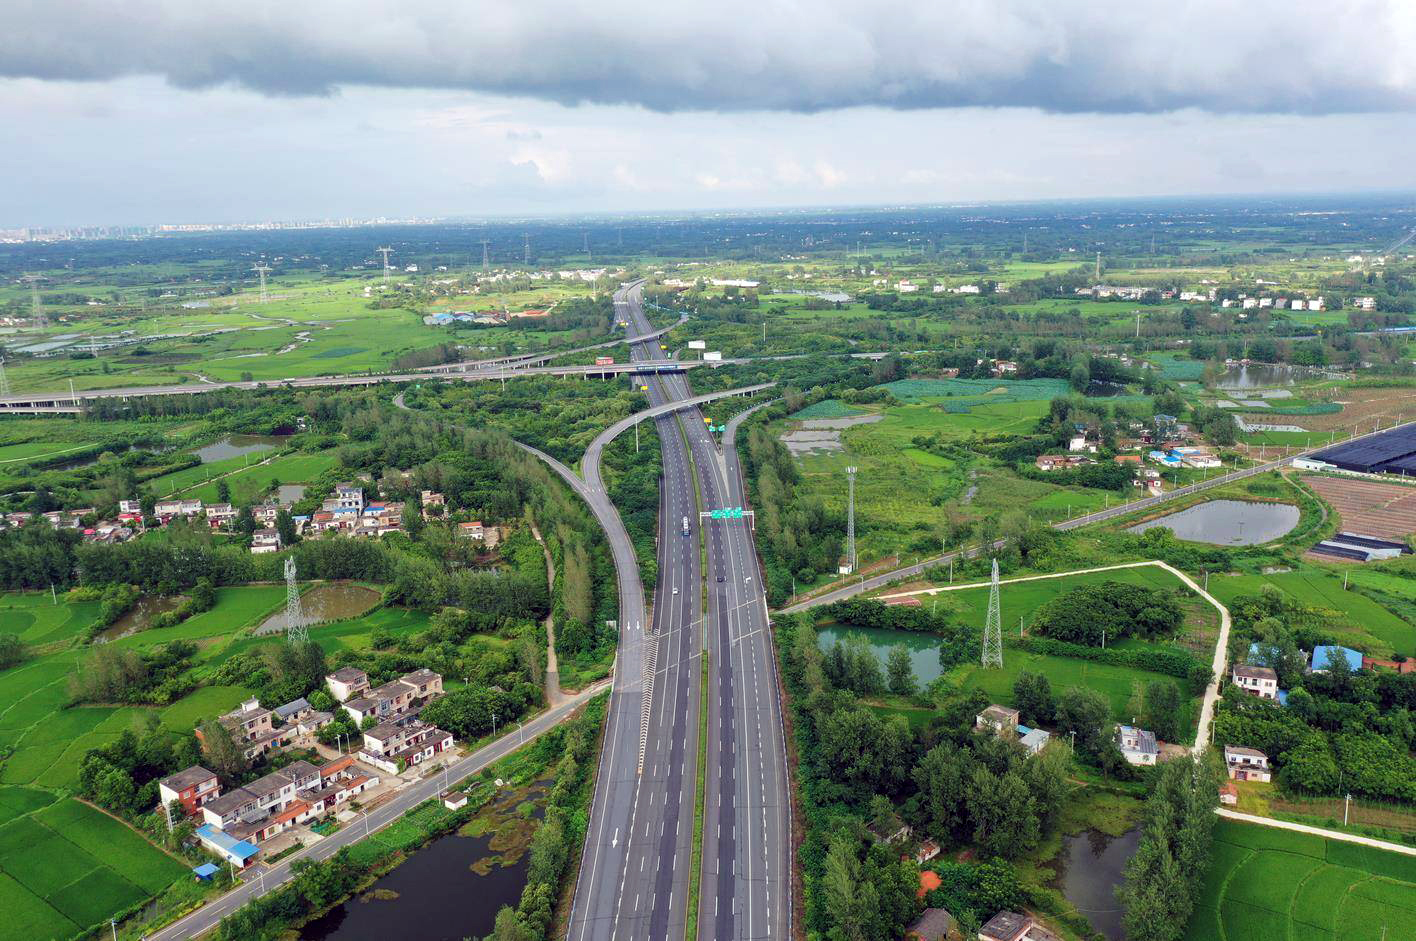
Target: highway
{"points": [[263, 879], [745, 875]]}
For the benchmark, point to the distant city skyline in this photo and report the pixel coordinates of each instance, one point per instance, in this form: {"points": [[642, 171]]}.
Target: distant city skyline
{"points": [[155, 111]]}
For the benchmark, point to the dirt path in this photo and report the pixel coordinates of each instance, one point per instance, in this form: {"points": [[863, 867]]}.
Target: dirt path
{"points": [[554, 696], [1317, 831], [1221, 646]]}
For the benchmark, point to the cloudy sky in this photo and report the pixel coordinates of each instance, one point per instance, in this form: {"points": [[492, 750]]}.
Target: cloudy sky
{"points": [[172, 111]]}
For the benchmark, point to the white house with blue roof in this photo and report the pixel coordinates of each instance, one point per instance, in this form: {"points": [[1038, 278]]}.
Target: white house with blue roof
{"points": [[1324, 655]]}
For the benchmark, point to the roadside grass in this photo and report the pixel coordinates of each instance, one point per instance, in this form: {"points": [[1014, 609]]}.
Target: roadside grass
{"points": [[1270, 883]]}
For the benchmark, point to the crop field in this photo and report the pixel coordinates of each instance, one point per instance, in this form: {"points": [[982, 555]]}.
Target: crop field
{"points": [[38, 620], [1369, 508], [66, 867], [1362, 623], [245, 483], [235, 609], [1266, 883]]}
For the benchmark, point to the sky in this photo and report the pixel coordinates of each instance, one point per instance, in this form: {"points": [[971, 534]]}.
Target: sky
{"points": [[167, 111]]}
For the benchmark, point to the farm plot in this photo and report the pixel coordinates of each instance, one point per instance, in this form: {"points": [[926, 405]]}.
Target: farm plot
{"points": [[37, 620], [1270, 883], [67, 867], [1368, 508]]}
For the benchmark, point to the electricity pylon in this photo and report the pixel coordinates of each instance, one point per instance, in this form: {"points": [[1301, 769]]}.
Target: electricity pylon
{"points": [[993, 627], [850, 517], [295, 632], [262, 269]]}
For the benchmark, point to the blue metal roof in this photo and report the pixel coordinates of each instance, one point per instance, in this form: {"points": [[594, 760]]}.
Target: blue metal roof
{"points": [[238, 848], [206, 870], [1325, 654]]}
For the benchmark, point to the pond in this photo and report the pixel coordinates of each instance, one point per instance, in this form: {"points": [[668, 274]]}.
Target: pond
{"points": [[923, 648], [449, 890], [139, 616], [328, 602], [1263, 375], [1089, 868], [1228, 522], [237, 445]]}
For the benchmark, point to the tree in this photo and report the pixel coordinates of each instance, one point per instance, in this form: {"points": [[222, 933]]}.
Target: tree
{"points": [[901, 671], [285, 526], [848, 899], [1032, 694], [1046, 775], [1086, 713], [942, 777], [223, 491], [508, 927], [1004, 814], [220, 750], [1162, 709], [12, 651]]}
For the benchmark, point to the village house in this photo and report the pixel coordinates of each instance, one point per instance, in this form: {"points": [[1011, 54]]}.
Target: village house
{"points": [[1246, 764], [933, 924], [471, 530], [1228, 794], [220, 514], [397, 697], [1034, 740], [1325, 655], [431, 499], [1256, 680], [1049, 462], [294, 795], [394, 746], [265, 540], [1138, 746], [191, 787], [168, 509], [252, 729], [346, 682], [890, 830], [1011, 926], [997, 718]]}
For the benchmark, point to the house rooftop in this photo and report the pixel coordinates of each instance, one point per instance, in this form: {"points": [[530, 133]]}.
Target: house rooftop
{"points": [[932, 924], [187, 777], [348, 675], [1006, 925], [1145, 739], [230, 801], [292, 708], [1325, 654], [1255, 672], [1243, 750]]}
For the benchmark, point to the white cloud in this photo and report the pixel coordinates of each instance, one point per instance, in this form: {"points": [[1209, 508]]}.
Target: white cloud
{"points": [[1297, 56]]}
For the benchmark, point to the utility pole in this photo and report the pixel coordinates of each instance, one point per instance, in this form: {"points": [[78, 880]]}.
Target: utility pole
{"points": [[384, 251], [993, 627], [850, 518]]}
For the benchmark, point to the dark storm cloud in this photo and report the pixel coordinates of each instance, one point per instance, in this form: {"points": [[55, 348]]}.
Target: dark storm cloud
{"points": [[1299, 56]]}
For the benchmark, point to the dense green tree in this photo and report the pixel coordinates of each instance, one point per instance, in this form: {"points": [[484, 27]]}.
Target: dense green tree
{"points": [[901, 671], [1162, 710], [1032, 695], [1004, 814]]}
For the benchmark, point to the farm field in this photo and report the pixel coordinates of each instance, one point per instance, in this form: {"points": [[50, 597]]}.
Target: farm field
{"points": [[1266, 883], [38, 620], [297, 468], [1367, 507], [67, 867]]}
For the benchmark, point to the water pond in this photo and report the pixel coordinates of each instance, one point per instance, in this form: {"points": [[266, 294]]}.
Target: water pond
{"points": [[923, 648], [237, 445], [1228, 522], [328, 602], [1263, 375], [450, 889], [1089, 868], [139, 616]]}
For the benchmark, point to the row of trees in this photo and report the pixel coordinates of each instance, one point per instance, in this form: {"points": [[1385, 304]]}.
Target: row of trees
{"points": [[1093, 615]]}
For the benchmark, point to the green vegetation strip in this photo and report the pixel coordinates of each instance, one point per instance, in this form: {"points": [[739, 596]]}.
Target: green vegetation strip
{"points": [[695, 871]]}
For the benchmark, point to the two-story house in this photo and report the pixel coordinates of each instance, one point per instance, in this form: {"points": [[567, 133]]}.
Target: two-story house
{"points": [[1246, 764], [191, 787], [1256, 680], [393, 746]]}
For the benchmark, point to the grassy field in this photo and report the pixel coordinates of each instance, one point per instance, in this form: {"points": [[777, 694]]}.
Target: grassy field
{"points": [[66, 867], [38, 620], [246, 483], [1365, 623], [1267, 884]]}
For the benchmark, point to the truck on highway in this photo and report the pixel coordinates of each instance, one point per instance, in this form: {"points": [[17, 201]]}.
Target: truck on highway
{"points": [[604, 360], [685, 525]]}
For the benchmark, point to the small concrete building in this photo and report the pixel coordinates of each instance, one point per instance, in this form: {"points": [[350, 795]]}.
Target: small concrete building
{"points": [[346, 682], [998, 718], [1246, 764], [192, 787], [1138, 746], [1255, 680]]}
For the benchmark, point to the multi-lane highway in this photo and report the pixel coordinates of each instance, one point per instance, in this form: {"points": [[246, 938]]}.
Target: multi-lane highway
{"points": [[744, 888]]}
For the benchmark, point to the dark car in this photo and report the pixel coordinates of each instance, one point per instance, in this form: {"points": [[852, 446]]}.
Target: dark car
{"points": [[720, 578]]}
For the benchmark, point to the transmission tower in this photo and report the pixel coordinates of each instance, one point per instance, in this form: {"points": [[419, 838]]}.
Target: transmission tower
{"points": [[1098, 266], [587, 246], [527, 237], [261, 269], [4, 383], [850, 517], [295, 632], [993, 627], [36, 306], [384, 252], [485, 266]]}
